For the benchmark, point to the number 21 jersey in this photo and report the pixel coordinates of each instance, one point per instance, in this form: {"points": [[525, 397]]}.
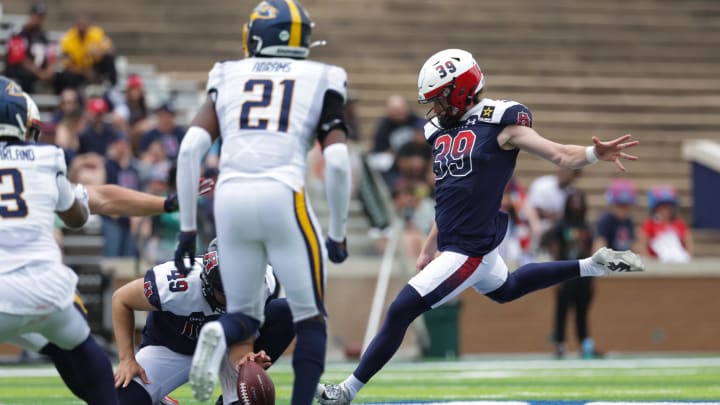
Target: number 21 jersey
{"points": [[268, 110]]}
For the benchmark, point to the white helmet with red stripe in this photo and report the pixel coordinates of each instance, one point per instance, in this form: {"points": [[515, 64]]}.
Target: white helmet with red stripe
{"points": [[453, 78]]}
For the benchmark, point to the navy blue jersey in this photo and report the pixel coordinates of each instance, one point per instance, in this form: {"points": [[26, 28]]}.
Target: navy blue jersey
{"points": [[181, 308], [471, 171], [619, 233]]}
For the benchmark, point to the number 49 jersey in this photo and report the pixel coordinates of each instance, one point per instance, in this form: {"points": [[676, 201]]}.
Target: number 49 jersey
{"points": [[182, 308], [269, 110], [471, 172]]}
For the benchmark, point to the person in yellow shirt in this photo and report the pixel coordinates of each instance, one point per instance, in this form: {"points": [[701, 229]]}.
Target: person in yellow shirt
{"points": [[87, 55]]}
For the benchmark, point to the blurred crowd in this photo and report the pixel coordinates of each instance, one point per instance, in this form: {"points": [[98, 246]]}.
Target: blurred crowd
{"points": [[109, 133]]}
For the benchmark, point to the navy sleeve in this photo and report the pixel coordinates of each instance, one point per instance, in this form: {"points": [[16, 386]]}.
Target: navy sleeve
{"points": [[517, 115], [151, 290], [332, 115]]}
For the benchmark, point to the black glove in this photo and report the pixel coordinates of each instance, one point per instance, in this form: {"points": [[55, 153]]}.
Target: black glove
{"points": [[171, 203], [205, 186], [337, 251], [185, 247]]}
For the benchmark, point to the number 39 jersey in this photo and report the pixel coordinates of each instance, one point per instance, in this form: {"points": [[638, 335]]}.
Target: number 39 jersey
{"points": [[29, 197], [471, 172], [268, 110], [182, 309]]}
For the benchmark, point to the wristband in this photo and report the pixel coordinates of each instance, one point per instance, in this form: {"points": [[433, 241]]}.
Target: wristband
{"points": [[590, 155]]}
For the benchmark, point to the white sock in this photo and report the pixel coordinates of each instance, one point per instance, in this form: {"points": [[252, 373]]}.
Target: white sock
{"points": [[588, 268], [353, 385]]}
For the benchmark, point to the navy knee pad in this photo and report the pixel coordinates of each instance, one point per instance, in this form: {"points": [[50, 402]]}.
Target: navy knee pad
{"points": [[238, 327], [133, 394]]}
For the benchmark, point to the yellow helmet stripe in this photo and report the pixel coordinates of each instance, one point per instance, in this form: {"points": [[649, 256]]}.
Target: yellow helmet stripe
{"points": [[296, 26]]}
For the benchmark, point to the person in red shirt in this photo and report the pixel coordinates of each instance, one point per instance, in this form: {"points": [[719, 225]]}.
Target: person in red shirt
{"points": [[29, 54], [664, 235]]}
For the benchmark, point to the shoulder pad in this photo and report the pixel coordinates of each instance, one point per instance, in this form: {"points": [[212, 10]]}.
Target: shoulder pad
{"points": [[503, 112], [337, 80], [215, 77], [176, 293], [431, 127], [60, 161]]}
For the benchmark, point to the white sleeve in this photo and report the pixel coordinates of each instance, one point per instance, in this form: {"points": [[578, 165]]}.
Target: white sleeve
{"points": [[66, 195], [215, 77], [337, 80], [60, 164], [194, 146], [337, 188]]}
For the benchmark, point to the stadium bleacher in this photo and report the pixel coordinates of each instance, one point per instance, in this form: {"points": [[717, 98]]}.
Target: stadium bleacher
{"points": [[646, 67]]}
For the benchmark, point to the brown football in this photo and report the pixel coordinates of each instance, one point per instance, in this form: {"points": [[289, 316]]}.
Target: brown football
{"points": [[254, 385]]}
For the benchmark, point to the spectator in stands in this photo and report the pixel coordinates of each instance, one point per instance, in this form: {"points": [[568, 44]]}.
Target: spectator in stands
{"points": [[664, 234], [166, 131], [29, 56], [69, 122], [615, 227], [87, 56], [517, 246], [71, 105], [98, 133], [153, 161], [414, 204], [412, 183], [121, 169], [547, 195], [138, 113], [164, 228], [571, 239], [87, 169], [396, 128]]}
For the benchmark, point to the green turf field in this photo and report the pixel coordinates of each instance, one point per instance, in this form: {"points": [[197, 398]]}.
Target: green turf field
{"points": [[646, 379]]}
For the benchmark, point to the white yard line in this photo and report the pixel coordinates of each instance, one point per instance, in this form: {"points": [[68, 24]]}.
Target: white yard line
{"points": [[516, 364], [44, 371]]}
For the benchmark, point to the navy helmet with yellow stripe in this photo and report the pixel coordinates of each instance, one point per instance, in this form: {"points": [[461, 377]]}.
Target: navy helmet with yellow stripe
{"points": [[278, 28], [19, 116]]}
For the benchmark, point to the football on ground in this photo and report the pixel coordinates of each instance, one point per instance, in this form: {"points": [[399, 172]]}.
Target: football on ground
{"points": [[254, 385]]}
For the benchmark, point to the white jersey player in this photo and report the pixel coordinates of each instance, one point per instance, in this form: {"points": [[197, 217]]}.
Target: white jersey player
{"points": [[269, 108], [36, 290], [178, 307]]}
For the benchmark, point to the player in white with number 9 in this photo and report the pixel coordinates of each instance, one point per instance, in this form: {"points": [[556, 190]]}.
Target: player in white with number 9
{"points": [[268, 109]]}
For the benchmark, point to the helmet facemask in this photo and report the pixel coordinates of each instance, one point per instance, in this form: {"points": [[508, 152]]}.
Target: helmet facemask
{"points": [[451, 110], [34, 126]]}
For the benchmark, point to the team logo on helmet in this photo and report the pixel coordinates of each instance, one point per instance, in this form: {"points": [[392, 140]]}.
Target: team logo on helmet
{"points": [[13, 89], [264, 11]]}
